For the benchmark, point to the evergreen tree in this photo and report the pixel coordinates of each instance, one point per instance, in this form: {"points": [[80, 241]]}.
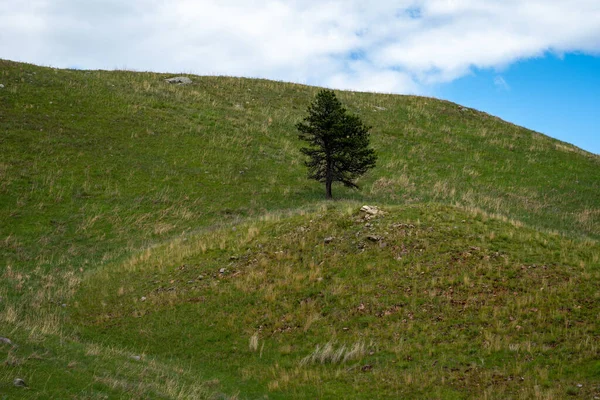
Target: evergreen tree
{"points": [[338, 143]]}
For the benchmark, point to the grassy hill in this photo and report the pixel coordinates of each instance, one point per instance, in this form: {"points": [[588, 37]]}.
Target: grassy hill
{"points": [[480, 279]]}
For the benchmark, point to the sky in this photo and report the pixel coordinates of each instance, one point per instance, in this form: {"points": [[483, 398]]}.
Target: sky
{"points": [[535, 63]]}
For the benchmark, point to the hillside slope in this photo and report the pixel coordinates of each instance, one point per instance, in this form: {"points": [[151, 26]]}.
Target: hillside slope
{"points": [[418, 302], [97, 166]]}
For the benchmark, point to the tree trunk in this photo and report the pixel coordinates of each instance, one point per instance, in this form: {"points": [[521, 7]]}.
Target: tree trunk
{"points": [[328, 188], [328, 177]]}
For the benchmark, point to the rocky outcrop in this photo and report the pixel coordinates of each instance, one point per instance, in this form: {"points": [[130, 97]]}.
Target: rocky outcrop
{"points": [[179, 80]]}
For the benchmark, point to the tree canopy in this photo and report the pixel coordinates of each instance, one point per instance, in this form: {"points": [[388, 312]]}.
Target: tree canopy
{"points": [[338, 143]]}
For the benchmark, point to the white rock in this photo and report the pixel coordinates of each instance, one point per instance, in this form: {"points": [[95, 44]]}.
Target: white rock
{"points": [[371, 210], [18, 382], [374, 238], [180, 80], [6, 341]]}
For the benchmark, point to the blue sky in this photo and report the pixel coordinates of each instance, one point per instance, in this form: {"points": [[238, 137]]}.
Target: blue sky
{"points": [[558, 96], [531, 62]]}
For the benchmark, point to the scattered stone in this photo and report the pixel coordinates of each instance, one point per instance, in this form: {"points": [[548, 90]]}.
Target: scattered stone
{"points": [[179, 80], [374, 238], [222, 270], [18, 382], [200, 277], [579, 385], [377, 108], [143, 298], [1, 86], [136, 358], [6, 341], [328, 239], [63, 305]]}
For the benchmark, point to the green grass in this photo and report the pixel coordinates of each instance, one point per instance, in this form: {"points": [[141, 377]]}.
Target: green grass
{"points": [[444, 304], [113, 184]]}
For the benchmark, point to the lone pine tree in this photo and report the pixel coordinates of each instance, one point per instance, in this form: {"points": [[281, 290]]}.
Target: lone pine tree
{"points": [[338, 143]]}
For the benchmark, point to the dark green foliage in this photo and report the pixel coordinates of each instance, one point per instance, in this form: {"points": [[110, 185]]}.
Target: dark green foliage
{"points": [[339, 143]]}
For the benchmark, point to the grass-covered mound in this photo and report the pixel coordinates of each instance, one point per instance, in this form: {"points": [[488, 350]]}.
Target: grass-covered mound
{"points": [[422, 301]]}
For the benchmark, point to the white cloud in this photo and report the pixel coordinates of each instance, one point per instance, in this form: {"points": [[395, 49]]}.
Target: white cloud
{"points": [[389, 46]]}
